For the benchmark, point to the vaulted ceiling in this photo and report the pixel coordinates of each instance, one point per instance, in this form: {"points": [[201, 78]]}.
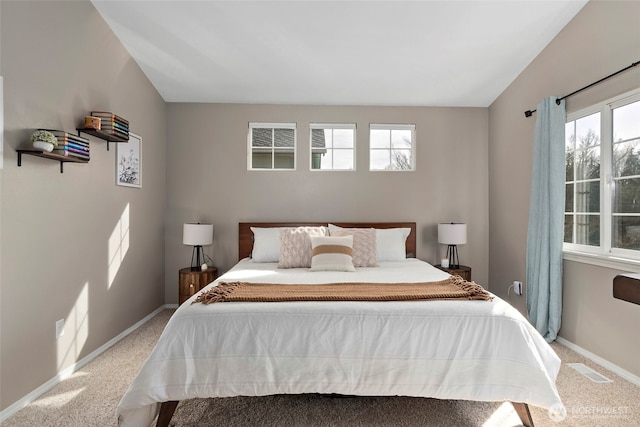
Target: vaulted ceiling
{"points": [[433, 53]]}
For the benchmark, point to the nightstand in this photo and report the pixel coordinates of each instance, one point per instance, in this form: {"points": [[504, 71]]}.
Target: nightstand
{"points": [[191, 281], [462, 271]]}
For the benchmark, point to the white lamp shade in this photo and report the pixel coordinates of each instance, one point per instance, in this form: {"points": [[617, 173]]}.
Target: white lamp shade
{"points": [[451, 233], [197, 234]]}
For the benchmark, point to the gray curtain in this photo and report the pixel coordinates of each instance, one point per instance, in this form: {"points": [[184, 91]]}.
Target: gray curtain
{"points": [[546, 220]]}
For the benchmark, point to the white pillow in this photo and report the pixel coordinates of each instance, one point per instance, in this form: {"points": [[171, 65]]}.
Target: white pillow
{"points": [[266, 244], [390, 242], [332, 253]]}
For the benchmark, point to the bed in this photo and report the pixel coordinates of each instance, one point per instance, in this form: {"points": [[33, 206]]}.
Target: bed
{"points": [[446, 349]]}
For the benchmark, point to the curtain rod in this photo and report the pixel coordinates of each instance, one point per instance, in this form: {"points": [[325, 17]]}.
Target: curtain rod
{"points": [[528, 113]]}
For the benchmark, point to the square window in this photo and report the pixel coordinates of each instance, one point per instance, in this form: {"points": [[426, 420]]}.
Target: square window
{"points": [[392, 147], [272, 146], [333, 146]]}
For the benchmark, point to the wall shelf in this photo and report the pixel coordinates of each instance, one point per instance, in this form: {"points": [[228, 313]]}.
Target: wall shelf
{"points": [[52, 156], [102, 135]]}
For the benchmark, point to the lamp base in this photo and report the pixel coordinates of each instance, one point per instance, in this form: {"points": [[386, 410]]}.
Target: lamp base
{"points": [[197, 258], [452, 254]]}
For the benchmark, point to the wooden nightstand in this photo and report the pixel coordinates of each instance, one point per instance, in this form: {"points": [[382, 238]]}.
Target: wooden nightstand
{"points": [[191, 281], [462, 271]]}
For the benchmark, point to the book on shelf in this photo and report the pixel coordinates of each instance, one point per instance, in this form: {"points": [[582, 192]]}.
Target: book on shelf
{"points": [[72, 149], [66, 136], [70, 155], [71, 144], [114, 125], [115, 132], [71, 152], [110, 115], [64, 140], [109, 127]]}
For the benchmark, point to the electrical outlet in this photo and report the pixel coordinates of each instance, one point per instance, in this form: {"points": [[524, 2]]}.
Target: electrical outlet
{"points": [[517, 287], [59, 328]]}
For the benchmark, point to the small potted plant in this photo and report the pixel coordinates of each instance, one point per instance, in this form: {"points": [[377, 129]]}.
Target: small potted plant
{"points": [[44, 140]]}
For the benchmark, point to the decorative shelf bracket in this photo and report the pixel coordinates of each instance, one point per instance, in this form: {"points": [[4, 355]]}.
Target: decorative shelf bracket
{"points": [[101, 135]]}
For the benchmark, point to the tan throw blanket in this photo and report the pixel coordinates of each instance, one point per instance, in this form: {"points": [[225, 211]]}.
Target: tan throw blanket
{"points": [[453, 288]]}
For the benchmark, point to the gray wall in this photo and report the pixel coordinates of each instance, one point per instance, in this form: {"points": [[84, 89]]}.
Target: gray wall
{"points": [[60, 61], [601, 39], [208, 180]]}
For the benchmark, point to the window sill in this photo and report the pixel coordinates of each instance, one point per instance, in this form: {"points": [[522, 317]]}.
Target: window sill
{"points": [[608, 261]]}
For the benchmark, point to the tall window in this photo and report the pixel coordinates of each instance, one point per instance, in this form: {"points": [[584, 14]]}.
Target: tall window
{"points": [[332, 146], [272, 146], [391, 147], [582, 191], [602, 206], [626, 176]]}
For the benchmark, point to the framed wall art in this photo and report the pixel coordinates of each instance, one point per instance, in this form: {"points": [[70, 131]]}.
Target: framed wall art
{"points": [[129, 162]]}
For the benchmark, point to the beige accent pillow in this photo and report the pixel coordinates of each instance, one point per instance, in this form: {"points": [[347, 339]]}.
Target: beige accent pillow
{"points": [[331, 253], [295, 246], [365, 246]]}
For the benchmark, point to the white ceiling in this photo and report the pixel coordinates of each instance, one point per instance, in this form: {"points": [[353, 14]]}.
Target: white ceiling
{"points": [[433, 53]]}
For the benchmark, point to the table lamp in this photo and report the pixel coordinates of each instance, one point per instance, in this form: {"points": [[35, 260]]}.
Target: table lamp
{"points": [[197, 235], [452, 234]]}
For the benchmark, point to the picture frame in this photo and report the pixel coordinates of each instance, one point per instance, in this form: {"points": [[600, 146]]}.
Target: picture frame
{"points": [[129, 162]]}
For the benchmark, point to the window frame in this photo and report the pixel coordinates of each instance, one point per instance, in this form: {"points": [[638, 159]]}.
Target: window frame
{"points": [[391, 127], [604, 255], [333, 126], [575, 247], [273, 126]]}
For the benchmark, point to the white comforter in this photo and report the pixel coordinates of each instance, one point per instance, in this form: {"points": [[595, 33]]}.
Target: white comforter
{"points": [[472, 350]]}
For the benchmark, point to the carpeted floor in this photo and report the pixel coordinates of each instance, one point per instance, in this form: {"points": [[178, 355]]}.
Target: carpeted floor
{"points": [[89, 398]]}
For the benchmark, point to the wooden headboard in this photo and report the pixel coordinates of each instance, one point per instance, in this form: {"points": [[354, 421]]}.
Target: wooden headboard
{"points": [[245, 235]]}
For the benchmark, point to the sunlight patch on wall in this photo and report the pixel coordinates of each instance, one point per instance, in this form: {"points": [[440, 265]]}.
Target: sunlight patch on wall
{"points": [[76, 330], [118, 245]]}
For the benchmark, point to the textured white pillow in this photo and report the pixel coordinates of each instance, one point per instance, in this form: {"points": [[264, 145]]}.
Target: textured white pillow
{"points": [[390, 242], [365, 253], [295, 246], [266, 244], [332, 253]]}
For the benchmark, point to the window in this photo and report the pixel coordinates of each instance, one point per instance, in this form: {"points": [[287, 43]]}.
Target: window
{"points": [[272, 146], [602, 202], [332, 146], [391, 147], [582, 187]]}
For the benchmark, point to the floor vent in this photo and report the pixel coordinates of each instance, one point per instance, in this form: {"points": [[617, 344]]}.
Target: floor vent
{"points": [[589, 373]]}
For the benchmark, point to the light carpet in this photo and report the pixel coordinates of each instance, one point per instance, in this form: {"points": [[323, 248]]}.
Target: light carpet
{"points": [[90, 396]]}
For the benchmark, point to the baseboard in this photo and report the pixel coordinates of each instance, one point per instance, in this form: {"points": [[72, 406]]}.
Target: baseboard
{"points": [[67, 372], [600, 361]]}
